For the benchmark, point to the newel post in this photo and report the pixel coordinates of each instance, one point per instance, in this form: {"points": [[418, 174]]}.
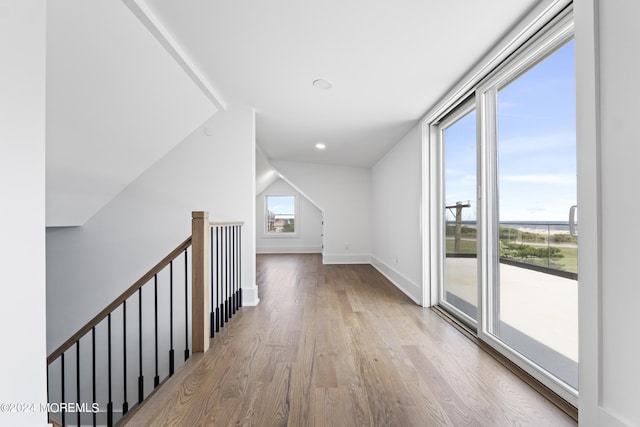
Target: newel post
{"points": [[199, 281]]}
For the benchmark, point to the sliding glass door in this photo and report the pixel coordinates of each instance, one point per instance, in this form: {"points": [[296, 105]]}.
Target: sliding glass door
{"points": [[508, 184], [459, 291], [536, 304]]}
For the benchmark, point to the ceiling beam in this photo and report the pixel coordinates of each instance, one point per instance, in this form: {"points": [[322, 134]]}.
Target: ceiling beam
{"points": [[146, 16]]}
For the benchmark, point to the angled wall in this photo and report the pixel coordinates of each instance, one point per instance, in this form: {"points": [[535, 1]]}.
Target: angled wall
{"points": [[265, 173], [308, 221], [117, 102], [345, 196], [89, 266]]}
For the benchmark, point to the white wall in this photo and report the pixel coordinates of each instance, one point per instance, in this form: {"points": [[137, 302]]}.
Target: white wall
{"points": [[344, 193], [396, 209], [265, 173], [91, 265], [308, 224], [22, 211], [117, 101], [608, 138]]}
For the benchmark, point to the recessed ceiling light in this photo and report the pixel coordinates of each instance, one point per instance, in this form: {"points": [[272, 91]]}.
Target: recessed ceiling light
{"points": [[322, 84], [320, 146]]}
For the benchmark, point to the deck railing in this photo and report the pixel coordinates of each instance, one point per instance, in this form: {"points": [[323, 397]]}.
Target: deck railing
{"points": [[542, 246], [144, 326]]}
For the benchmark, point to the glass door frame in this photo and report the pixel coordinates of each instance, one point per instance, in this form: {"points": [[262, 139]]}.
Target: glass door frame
{"points": [[482, 94], [560, 32], [450, 119]]}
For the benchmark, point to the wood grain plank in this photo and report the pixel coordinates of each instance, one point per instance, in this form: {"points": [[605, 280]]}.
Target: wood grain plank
{"points": [[338, 345]]}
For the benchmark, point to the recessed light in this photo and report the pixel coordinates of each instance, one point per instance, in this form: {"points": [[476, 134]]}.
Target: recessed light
{"points": [[320, 146], [322, 84]]}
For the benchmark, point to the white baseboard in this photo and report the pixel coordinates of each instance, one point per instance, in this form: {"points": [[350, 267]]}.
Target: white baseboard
{"points": [[288, 249], [409, 288], [346, 259], [250, 297]]}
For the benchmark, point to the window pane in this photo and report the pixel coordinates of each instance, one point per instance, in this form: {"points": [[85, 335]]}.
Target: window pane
{"points": [[537, 289], [461, 261], [280, 215]]}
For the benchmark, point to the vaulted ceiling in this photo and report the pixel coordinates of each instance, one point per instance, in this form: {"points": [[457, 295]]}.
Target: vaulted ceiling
{"points": [[116, 103], [128, 80]]}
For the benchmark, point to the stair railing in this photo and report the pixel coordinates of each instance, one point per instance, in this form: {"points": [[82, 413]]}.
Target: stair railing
{"points": [[93, 363]]}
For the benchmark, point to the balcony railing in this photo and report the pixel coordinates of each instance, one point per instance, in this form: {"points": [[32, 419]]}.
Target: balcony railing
{"points": [[542, 246], [537, 285]]}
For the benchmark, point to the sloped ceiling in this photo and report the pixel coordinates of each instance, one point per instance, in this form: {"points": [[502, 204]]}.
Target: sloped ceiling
{"points": [[117, 101], [389, 61], [266, 174]]}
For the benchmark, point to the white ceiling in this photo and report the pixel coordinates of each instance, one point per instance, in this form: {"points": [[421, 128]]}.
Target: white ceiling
{"points": [[116, 103], [389, 62], [128, 80]]}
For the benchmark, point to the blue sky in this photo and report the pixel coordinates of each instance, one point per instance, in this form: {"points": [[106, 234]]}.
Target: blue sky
{"points": [[536, 145], [284, 205]]}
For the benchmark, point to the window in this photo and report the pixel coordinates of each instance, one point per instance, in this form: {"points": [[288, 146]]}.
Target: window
{"points": [[459, 284], [504, 157], [280, 215], [530, 272]]}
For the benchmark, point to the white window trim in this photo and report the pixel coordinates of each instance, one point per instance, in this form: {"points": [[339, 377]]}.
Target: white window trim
{"points": [[289, 235], [462, 109]]}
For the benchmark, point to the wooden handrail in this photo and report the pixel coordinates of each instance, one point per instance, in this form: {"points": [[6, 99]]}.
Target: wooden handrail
{"points": [[126, 294]]}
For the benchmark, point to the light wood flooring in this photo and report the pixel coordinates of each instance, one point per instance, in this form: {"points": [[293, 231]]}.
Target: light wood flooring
{"points": [[338, 345]]}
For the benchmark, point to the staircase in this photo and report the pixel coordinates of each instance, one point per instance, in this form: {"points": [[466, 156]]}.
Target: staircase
{"points": [[122, 356]]}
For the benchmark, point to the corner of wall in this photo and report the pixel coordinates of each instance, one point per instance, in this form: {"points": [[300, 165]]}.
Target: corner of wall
{"points": [[408, 287], [346, 259], [250, 297]]}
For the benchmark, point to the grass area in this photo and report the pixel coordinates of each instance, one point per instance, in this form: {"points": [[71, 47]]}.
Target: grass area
{"points": [[567, 262], [571, 259], [467, 246]]}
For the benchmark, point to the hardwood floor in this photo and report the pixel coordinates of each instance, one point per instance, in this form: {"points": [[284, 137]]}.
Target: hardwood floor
{"points": [[338, 345]]}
